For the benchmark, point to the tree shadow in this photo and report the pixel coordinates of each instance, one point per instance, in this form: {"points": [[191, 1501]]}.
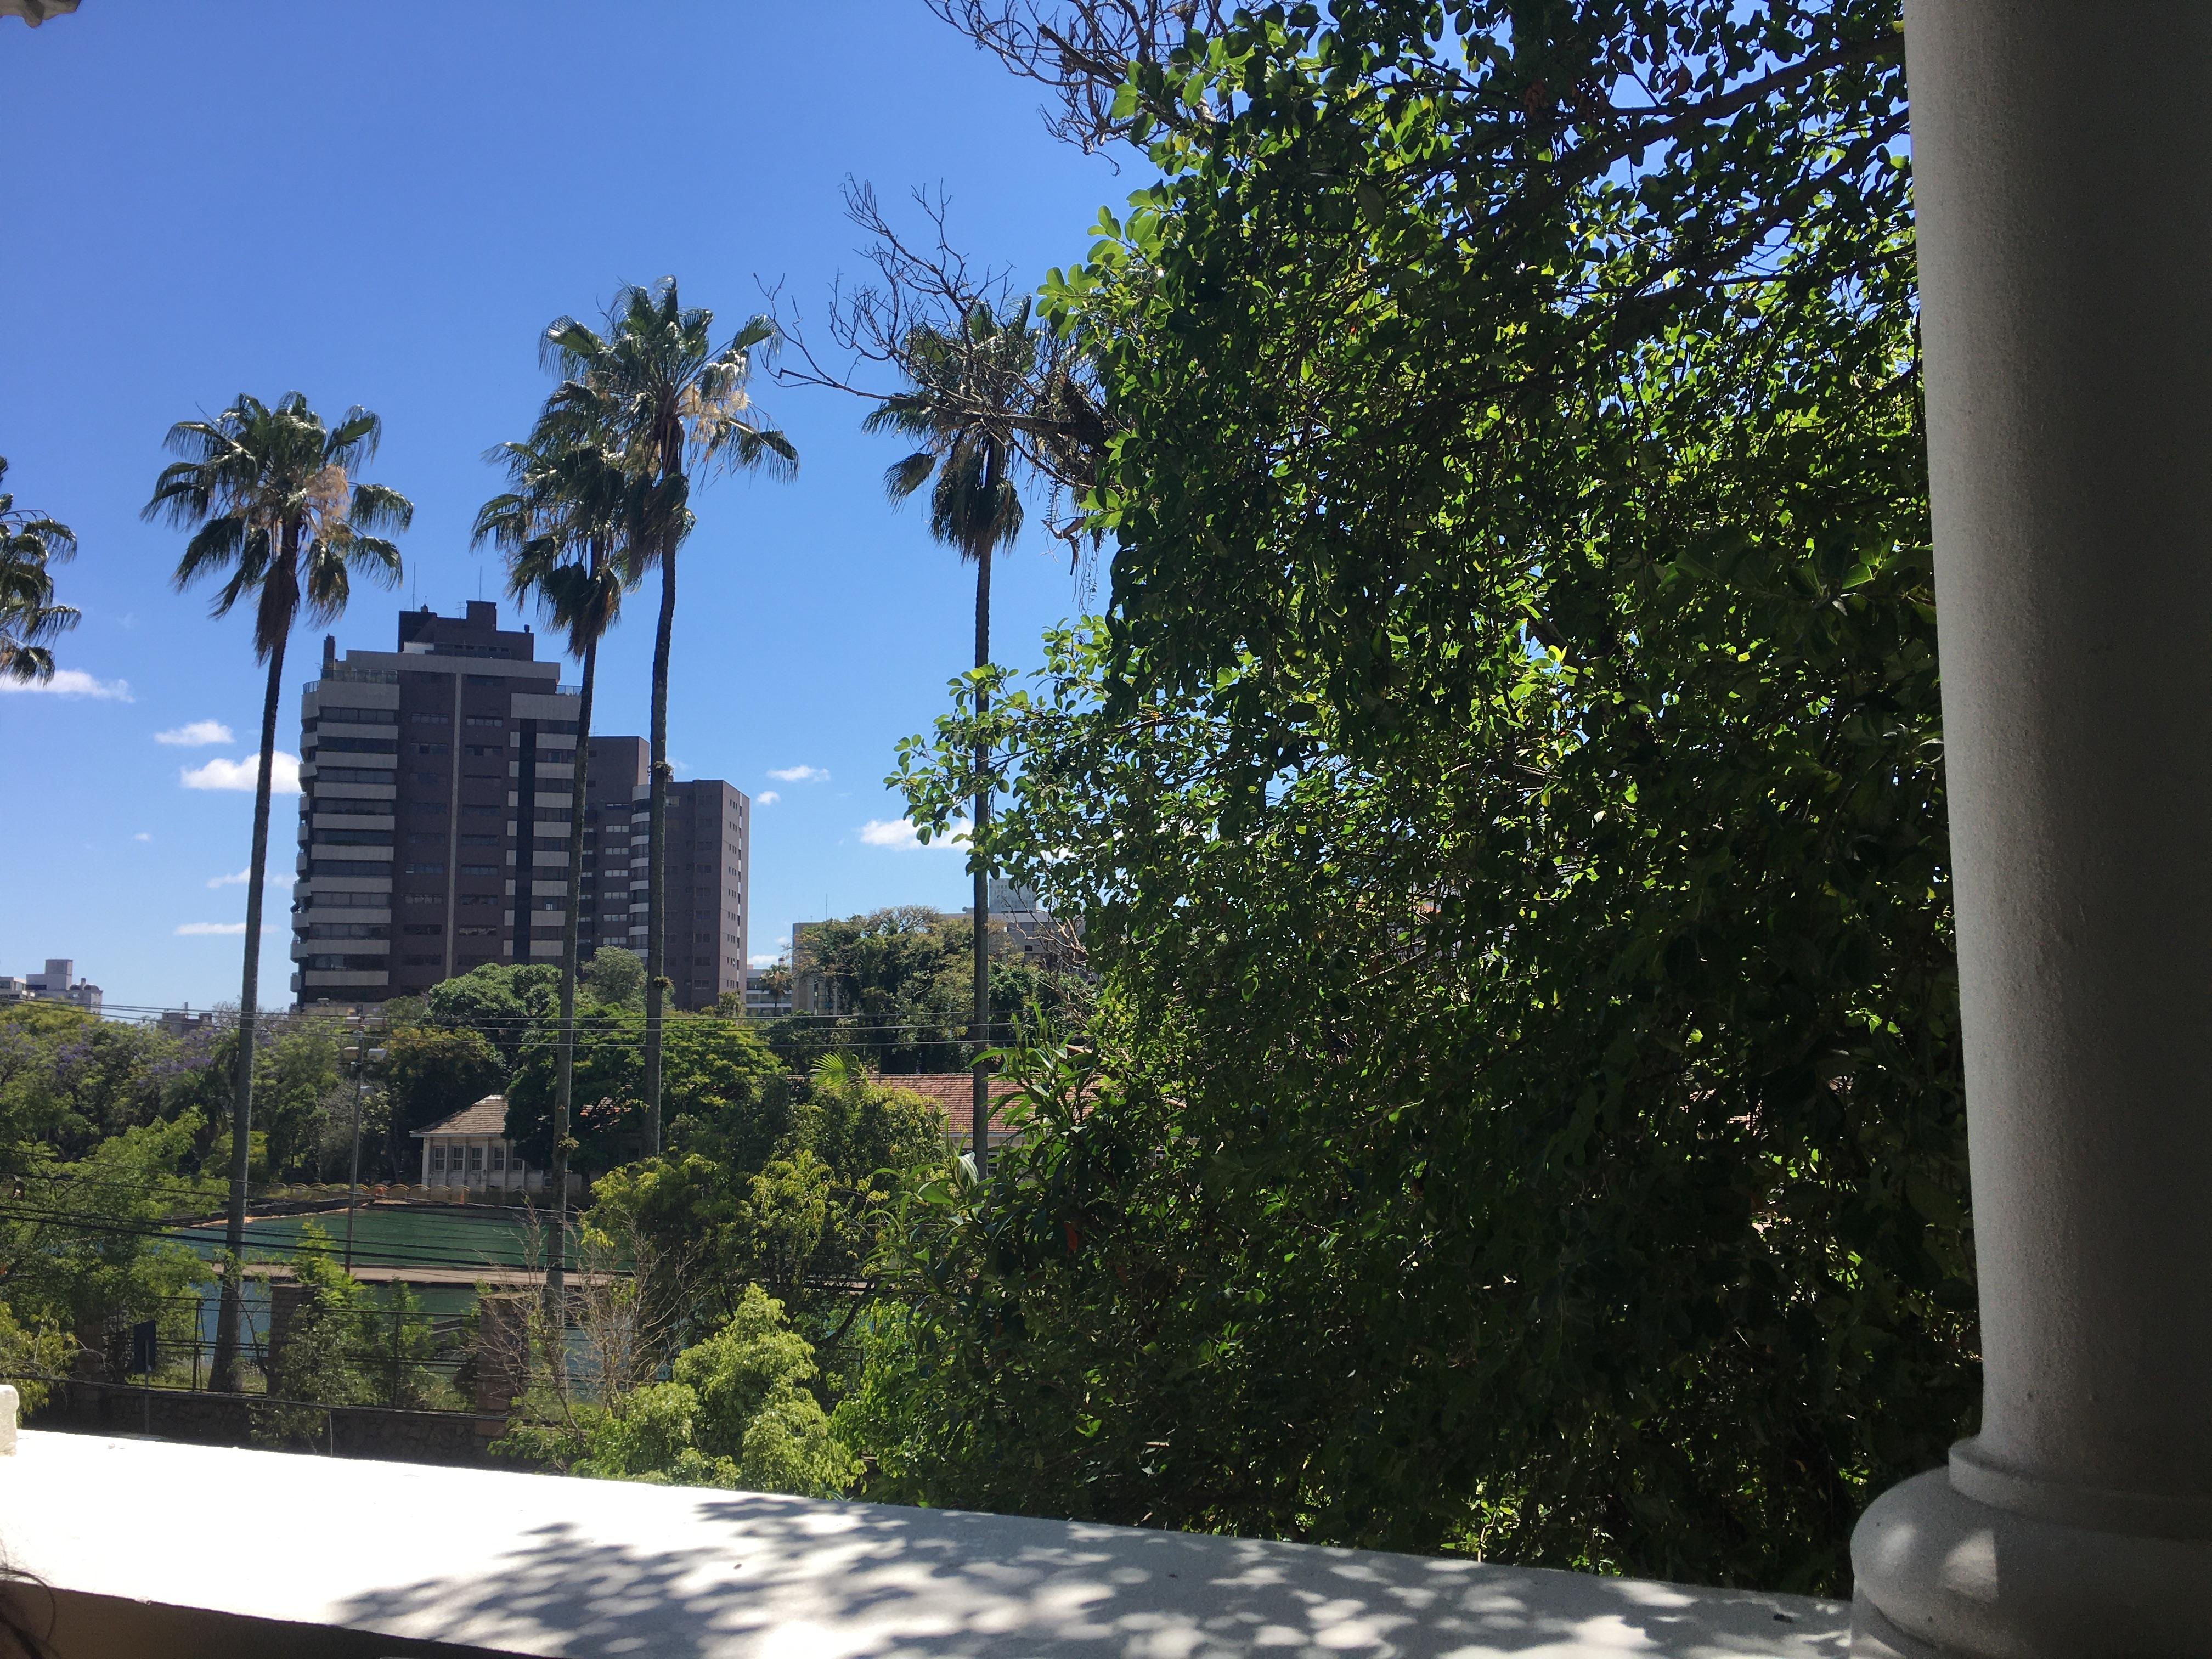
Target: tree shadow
{"points": [[658, 1573]]}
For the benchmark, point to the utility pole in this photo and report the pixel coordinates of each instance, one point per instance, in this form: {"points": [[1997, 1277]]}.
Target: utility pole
{"points": [[361, 1054]]}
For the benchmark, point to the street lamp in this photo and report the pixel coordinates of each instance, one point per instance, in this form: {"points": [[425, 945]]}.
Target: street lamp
{"points": [[361, 1026]]}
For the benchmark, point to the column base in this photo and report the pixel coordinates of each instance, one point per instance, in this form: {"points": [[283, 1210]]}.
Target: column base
{"points": [[1941, 1576]]}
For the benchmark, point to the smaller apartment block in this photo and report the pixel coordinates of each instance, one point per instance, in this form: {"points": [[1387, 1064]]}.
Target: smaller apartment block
{"points": [[434, 824]]}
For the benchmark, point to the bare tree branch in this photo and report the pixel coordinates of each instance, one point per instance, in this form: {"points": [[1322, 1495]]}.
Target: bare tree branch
{"points": [[924, 289], [1081, 51]]}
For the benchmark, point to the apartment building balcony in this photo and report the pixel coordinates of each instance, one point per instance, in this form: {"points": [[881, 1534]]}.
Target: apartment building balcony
{"points": [[411, 1559]]}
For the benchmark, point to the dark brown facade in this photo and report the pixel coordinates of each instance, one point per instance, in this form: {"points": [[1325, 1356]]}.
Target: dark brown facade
{"points": [[434, 823]]}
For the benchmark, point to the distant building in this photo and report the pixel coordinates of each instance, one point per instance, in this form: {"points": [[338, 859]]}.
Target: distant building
{"points": [[1021, 928], [52, 986], [767, 993], [434, 824], [709, 838], [470, 1149], [183, 1022]]}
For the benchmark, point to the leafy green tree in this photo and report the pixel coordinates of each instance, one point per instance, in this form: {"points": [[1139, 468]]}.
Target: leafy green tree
{"points": [[1505, 801], [69, 1080], [668, 405], [300, 1076], [615, 977], [430, 1072], [30, 544], [502, 1004], [737, 1412], [81, 1239], [970, 386], [723, 1084], [278, 512]]}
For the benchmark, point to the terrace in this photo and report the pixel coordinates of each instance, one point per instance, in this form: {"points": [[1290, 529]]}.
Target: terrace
{"points": [[2062, 175], [233, 1555]]}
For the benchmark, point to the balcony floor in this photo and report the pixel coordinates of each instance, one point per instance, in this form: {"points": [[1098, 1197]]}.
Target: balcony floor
{"points": [[388, 1556]]}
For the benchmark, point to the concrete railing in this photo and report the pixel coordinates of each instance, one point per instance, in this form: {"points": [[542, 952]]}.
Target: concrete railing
{"points": [[145, 1546]]}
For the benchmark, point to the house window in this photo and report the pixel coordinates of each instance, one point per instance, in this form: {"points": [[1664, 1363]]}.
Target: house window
{"points": [[476, 1158], [437, 1159], [498, 1159]]}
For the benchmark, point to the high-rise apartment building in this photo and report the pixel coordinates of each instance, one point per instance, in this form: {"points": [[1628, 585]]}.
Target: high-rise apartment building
{"points": [[709, 848], [434, 823]]}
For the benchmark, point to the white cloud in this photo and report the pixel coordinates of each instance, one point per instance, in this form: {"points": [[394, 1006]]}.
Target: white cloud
{"points": [[198, 734], [196, 929], [73, 682], [220, 774], [767, 798], [142, 835], [761, 962], [240, 879], [900, 836], [801, 774]]}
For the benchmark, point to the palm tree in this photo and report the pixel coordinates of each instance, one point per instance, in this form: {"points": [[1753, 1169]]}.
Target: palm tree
{"points": [[29, 542], [669, 405], [560, 528], [969, 389], [270, 496]]}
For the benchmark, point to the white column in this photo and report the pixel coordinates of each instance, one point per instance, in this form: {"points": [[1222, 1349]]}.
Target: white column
{"points": [[2063, 158]]}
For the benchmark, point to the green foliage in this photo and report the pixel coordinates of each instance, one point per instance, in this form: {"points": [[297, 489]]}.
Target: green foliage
{"points": [[30, 545], [300, 1076], [30, 1355], [724, 1213], [739, 1413], [901, 979], [615, 978], [430, 1072], [69, 1079], [79, 1239], [499, 1003], [1505, 803], [343, 1345], [719, 1078]]}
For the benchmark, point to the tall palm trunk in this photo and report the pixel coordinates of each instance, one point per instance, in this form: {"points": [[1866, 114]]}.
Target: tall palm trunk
{"points": [[224, 1377], [656, 919], [993, 468], [564, 1084]]}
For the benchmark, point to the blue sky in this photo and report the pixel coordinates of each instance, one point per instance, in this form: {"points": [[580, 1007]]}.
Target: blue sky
{"points": [[384, 202]]}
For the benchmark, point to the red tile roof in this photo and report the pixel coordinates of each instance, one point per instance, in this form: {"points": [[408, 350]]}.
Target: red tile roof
{"points": [[953, 1094]]}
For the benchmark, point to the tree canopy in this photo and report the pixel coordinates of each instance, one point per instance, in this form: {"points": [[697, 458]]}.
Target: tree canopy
{"points": [[1505, 801]]}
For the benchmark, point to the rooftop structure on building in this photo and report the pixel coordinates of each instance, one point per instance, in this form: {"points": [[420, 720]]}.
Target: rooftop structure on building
{"points": [[434, 824], [57, 983]]}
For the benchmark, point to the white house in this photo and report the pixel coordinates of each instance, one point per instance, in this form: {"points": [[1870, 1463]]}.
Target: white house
{"points": [[470, 1149]]}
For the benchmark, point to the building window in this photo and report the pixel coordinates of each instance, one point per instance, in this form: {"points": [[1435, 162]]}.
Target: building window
{"points": [[499, 1160], [432, 749], [426, 898], [476, 1159], [432, 719], [426, 869], [425, 930], [480, 869], [491, 720], [480, 840], [437, 1158]]}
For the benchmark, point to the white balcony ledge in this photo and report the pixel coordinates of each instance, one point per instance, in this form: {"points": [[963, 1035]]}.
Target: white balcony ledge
{"points": [[189, 1551]]}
